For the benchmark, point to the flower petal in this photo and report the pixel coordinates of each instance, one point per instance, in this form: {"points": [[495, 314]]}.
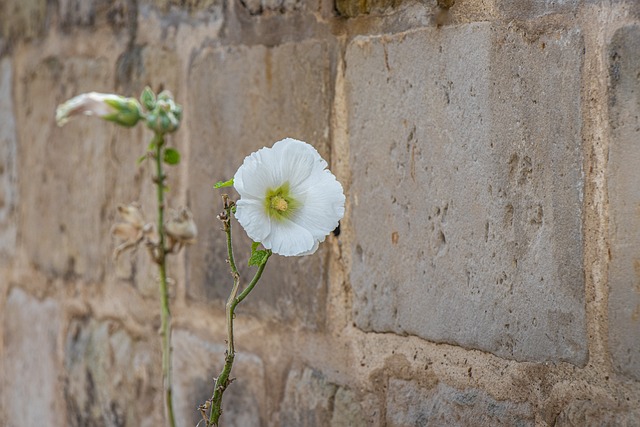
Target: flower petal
{"points": [[323, 204], [288, 239], [253, 218]]}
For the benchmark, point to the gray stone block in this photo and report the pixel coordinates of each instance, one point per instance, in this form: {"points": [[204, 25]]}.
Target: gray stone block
{"points": [[624, 199], [527, 9], [467, 189], [77, 174], [30, 384], [597, 412], [111, 378], [8, 163], [411, 405], [310, 399], [196, 362], [242, 99]]}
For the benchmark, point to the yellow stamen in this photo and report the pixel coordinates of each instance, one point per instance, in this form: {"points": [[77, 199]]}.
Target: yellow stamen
{"points": [[279, 204]]}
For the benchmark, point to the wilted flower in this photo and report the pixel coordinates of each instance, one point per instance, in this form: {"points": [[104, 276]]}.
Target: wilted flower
{"points": [[114, 108], [181, 228], [132, 230], [289, 201]]}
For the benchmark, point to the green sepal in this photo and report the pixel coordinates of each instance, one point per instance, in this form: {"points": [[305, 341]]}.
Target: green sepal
{"points": [[171, 156], [222, 184], [148, 98], [258, 257]]}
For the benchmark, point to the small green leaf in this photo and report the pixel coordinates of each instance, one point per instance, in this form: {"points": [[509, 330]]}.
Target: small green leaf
{"points": [[259, 258], [171, 156], [152, 146], [221, 184]]}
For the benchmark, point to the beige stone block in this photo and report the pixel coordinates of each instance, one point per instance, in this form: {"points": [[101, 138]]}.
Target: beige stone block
{"points": [[30, 384], [624, 199], [244, 98], [196, 362], [467, 186]]}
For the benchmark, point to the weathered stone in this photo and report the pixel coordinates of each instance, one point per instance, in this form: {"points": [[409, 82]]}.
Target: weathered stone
{"points": [[350, 410], [30, 386], [527, 9], [624, 199], [87, 12], [587, 413], [467, 189], [310, 399], [196, 362], [86, 160], [268, 94], [8, 166], [111, 378], [22, 18], [411, 405]]}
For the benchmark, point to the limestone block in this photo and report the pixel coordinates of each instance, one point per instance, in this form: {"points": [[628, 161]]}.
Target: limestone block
{"points": [[22, 18], [310, 399], [467, 189], [196, 362], [30, 384], [8, 163], [244, 98], [527, 9], [111, 378], [624, 199], [76, 174], [411, 405], [596, 412]]}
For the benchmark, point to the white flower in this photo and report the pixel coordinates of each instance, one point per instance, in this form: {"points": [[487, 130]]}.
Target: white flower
{"points": [[123, 111], [289, 201]]}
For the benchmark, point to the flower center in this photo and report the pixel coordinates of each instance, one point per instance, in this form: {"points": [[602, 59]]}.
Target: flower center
{"points": [[279, 203]]}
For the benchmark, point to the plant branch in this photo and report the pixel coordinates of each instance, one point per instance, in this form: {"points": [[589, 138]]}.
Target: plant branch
{"points": [[161, 259], [223, 381]]}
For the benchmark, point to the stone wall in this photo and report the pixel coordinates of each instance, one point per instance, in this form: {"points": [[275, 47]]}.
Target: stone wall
{"points": [[487, 271]]}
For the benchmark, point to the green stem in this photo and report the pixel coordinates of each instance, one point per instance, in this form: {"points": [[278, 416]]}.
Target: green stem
{"points": [[222, 382], [164, 292]]}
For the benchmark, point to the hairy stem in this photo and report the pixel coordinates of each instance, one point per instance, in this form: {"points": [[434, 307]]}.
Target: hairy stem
{"points": [[223, 381], [165, 328]]}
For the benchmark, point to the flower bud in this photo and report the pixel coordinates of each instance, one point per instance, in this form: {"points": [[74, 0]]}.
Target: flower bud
{"points": [[114, 108], [166, 116], [181, 228]]}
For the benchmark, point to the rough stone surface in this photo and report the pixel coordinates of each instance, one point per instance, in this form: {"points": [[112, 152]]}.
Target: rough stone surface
{"points": [[587, 413], [22, 18], [533, 8], [410, 405], [8, 167], [624, 196], [310, 399], [106, 371], [30, 386], [467, 189], [82, 161], [268, 94], [196, 362]]}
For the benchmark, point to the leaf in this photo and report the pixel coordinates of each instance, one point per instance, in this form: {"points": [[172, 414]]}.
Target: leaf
{"points": [[258, 258], [221, 184], [171, 156], [152, 147]]}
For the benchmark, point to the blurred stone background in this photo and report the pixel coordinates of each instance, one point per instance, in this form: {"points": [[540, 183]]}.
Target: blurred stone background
{"points": [[487, 272]]}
